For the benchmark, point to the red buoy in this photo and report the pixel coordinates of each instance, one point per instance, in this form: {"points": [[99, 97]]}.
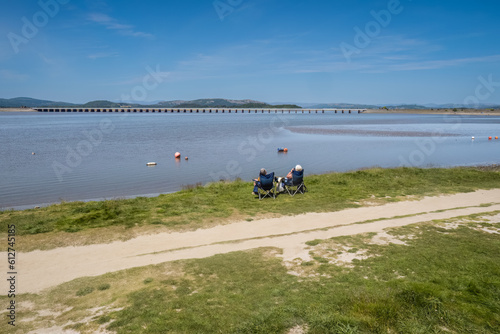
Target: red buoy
{"points": [[489, 138], [177, 155]]}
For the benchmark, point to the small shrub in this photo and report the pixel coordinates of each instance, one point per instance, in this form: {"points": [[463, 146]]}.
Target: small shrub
{"points": [[313, 242], [320, 259], [84, 291], [183, 290], [104, 286], [103, 319]]}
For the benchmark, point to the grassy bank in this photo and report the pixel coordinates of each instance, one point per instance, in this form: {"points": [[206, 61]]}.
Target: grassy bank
{"points": [[441, 280], [217, 203]]}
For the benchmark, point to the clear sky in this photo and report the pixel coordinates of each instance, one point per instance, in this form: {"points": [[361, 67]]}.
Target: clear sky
{"points": [[357, 51]]}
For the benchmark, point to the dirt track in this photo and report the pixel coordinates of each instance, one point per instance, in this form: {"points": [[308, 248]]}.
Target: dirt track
{"points": [[39, 270]]}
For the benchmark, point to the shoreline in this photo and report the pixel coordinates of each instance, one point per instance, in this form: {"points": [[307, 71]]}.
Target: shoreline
{"points": [[492, 167], [469, 112], [23, 207], [17, 110]]}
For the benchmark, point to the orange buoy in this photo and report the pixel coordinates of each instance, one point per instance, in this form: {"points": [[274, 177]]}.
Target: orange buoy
{"points": [[177, 155], [489, 138], [186, 158], [285, 150], [496, 137]]}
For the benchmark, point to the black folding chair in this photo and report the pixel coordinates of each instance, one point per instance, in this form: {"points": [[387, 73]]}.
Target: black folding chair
{"points": [[266, 186], [296, 184]]}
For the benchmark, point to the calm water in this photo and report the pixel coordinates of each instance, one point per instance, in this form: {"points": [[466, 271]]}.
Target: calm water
{"points": [[95, 156]]}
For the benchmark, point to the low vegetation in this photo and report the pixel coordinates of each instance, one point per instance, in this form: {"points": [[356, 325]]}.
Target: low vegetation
{"points": [[436, 280]]}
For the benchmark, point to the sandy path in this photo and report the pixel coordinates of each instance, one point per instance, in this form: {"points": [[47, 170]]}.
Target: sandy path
{"points": [[39, 270]]}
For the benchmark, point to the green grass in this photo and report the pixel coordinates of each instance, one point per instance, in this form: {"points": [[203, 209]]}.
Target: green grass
{"points": [[313, 242], [442, 281], [84, 291], [452, 282], [104, 286], [222, 201]]}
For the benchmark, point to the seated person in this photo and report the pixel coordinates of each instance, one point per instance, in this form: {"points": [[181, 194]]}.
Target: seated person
{"points": [[289, 176], [256, 182]]}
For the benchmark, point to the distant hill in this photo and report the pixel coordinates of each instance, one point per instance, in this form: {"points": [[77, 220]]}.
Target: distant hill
{"points": [[218, 102], [18, 102], [101, 104], [459, 106], [222, 103], [200, 103], [253, 105], [406, 106], [392, 106], [300, 104], [344, 106]]}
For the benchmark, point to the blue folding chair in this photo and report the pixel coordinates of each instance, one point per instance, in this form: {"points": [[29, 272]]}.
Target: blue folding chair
{"points": [[296, 184], [266, 186]]}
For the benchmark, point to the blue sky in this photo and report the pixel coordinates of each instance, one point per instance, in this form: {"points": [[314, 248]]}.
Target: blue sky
{"points": [[418, 51]]}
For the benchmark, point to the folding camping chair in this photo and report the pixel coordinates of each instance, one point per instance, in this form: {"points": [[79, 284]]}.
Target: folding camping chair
{"points": [[296, 184], [266, 187]]}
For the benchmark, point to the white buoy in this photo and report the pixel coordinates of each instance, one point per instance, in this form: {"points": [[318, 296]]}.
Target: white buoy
{"points": [[151, 164], [472, 137]]}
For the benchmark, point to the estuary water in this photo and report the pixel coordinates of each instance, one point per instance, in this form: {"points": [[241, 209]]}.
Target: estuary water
{"points": [[103, 156]]}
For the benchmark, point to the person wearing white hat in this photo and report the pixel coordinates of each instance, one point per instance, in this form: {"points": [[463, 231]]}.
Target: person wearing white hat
{"points": [[294, 181], [298, 168]]}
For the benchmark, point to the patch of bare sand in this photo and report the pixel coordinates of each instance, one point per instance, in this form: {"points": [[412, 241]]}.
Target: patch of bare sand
{"points": [[298, 329], [383, 238], [39, 270], [488, 224], [53, 330]]}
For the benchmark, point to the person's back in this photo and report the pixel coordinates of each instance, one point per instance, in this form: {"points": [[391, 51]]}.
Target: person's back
{"points": [[257, 181], [267, 181], [297, 177]]}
